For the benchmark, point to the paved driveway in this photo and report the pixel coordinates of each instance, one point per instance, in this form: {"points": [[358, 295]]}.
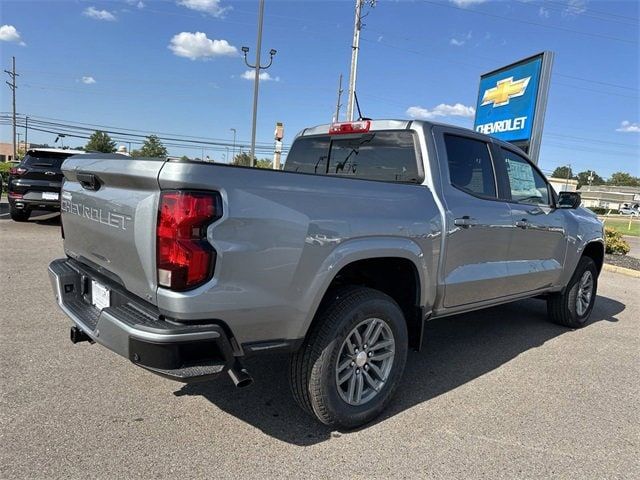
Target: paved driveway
{"points": [[494, 394]]}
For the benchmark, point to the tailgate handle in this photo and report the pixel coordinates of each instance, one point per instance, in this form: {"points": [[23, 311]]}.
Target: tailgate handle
{"points": [[88, 181]]}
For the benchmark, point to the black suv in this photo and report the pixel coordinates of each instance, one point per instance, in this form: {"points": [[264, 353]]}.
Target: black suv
{"points": [[34, 184]]}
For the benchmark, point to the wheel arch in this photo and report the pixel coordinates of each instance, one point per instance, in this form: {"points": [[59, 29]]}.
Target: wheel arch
{"points": [[395, 266]]}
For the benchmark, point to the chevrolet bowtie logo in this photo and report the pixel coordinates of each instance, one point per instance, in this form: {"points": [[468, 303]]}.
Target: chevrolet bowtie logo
{"points": [[504, 91]]}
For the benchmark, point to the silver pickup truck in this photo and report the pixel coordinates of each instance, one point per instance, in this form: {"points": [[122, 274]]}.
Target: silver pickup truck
{"points": [[373, 228]]}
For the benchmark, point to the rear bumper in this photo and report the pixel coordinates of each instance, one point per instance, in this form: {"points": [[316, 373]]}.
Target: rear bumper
{"points": [[33, 204], [135, 330]]}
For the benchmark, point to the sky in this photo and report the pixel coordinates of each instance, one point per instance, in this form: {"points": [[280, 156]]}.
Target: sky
{"points": [[177, 67]]}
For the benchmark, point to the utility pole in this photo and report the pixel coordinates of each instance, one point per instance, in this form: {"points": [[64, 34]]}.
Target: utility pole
{"points": [[256, 81], [26, 131], [12, 86], [355, 48], [278, 135], [338, 104], [234, 143]]}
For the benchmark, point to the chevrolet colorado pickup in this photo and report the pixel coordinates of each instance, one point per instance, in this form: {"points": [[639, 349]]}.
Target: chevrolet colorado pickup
{"points": [[372, 228]]}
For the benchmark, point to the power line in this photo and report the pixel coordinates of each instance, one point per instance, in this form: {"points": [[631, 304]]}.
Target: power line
{"points": [[587, 12], [76, 131], [479, 67], [141, 133], [601, 12], [528, 22]]}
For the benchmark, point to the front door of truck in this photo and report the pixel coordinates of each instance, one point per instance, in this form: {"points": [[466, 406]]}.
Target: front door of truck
{"points": [[539, 240], [478, 223]]}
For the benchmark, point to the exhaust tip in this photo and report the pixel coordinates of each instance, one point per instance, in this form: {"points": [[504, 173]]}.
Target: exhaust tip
{"points": [[239, 375]]}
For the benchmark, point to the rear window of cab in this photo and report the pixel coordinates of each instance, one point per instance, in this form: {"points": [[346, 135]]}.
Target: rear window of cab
{"points": [[382, 155]]}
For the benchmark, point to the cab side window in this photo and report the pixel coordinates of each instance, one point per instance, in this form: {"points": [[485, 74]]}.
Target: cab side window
{"points": [[470, 166], [525, 182]]}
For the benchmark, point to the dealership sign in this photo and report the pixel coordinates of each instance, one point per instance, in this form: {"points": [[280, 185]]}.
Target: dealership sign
{"points": [[512, 102]]}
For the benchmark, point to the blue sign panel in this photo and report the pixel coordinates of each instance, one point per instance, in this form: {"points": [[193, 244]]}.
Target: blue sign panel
{"points": [[507, 101]]}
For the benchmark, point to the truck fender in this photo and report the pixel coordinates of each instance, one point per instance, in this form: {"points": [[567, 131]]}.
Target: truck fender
{"points": [[361, 249]]}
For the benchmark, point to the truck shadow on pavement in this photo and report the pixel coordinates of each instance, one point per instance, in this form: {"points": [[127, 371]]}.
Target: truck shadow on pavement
{"points": [[455, 351]]}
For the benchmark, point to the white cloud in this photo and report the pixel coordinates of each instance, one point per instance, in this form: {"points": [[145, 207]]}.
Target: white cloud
{"points": [[264, 76], [212, 7], [139, 4], [458, 42], [88, 80], [575, 7], [442, 110], [8, 33], [628, 127], [466, 3], [197, 45], [543, 12], [96, 14]]}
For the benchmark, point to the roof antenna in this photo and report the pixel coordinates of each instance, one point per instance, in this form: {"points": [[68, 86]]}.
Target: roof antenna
{"points": [[360, 117]]}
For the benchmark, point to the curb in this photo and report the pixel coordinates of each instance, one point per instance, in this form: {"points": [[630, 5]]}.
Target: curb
{"points": [[624, 271]]}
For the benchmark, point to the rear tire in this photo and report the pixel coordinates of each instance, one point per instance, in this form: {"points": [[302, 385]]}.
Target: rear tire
{"points": [[573, 307], [19, 215], [353, 317]]}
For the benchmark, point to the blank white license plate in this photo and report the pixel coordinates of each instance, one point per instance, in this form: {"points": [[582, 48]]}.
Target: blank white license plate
{"points": [[50, 196], [100, 295]]}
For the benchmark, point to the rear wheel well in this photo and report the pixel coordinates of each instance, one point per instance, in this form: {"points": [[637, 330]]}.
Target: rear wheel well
{"points": [[595, 251], [394, 276]]}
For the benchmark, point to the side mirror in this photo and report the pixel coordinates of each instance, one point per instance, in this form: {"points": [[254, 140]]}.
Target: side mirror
{"points": [[569, 200]]}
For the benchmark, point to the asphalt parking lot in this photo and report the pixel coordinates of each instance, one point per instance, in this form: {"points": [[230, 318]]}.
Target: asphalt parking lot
{"points": [[495, 394]]}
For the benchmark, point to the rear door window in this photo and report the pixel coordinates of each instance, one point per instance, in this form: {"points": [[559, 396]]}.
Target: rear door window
{"points": [[470, 166], [386, 155]]}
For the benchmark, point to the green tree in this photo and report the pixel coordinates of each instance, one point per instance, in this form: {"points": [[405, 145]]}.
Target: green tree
{"points": [[151, 148], [623, 179], [100, 142], [264, 163], [562, 172], [583, 178], [242, 160]]}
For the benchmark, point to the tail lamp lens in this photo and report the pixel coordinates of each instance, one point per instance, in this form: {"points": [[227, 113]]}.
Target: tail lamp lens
{"points": [[17, 171], [185, 258]]}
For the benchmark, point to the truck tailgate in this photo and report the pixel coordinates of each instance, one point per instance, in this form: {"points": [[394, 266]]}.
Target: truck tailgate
{"points": [[109, 210]]}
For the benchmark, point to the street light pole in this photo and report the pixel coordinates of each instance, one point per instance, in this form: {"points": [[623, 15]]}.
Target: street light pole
{"points": [[256, 81], [234, 143]]}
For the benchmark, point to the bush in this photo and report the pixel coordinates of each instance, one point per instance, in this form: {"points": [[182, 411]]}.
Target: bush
{"points": [[4, 172], [603, 211], [616, 245]]}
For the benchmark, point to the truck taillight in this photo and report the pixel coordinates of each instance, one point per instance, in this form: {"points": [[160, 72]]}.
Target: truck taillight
{"points": [[349, 127], [17, 171], [185, 258]]}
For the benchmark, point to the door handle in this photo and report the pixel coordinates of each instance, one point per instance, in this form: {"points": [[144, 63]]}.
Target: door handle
{"points": [[465, 222], [524, 223]]}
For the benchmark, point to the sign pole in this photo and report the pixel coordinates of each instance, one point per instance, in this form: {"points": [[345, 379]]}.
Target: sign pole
{"points": [[541, 107]]}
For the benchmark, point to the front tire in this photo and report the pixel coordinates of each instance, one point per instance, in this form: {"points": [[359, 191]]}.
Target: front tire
{"points": [[350, 365], [573, 307], [19, 215]]}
